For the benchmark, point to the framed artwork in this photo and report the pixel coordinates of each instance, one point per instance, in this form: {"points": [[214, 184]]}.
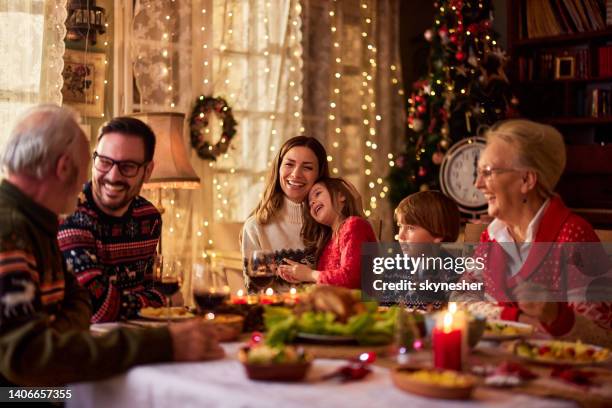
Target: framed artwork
{"points": [[84, 82], [564, 67]]}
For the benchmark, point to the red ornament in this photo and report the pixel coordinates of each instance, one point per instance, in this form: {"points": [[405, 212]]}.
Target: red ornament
{"points": [[459, 28], [421, 108], [486, 24], [453, 38], [460, 56], [443, 32], [418, 98], [473, 28], [422, 171], [437, 158]]}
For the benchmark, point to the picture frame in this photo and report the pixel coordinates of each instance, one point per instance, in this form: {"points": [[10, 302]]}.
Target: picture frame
{"points": [[84, 75], [565, 67]]}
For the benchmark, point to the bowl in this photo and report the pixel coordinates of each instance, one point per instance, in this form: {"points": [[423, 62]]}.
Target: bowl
{"points": [[403, 379], [282, 372], [227, 326]]}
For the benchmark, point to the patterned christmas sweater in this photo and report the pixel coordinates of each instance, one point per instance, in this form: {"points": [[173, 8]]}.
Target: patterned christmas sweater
{"points": [[44, 312], [113, 257]]}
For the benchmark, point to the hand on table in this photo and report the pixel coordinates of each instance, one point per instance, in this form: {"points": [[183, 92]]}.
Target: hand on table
{"points": [[195, 341], [532, 301], [296, 272]]}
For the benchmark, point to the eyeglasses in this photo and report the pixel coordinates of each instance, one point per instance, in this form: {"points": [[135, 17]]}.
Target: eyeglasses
{"points": [[127, 168], [487, 171]]}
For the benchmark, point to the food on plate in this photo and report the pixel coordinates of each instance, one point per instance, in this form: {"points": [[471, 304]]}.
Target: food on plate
{"points": [[265, 354], [162, 312], [332, 311], [501, 328], [443, 378], [561, 352]]}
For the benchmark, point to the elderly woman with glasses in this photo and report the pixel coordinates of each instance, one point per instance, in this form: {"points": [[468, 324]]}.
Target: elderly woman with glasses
{"points": [[530, 266]]}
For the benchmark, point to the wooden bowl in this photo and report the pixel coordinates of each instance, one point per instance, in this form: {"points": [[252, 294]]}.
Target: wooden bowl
{"points": [[228, 326], [282, 372], [431, 390]]}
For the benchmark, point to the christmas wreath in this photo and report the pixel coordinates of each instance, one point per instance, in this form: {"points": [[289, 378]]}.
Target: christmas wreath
{"points": [[204, 106]]}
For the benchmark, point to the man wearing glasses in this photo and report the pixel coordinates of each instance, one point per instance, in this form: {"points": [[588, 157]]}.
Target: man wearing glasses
{"points": [[111, 239]]}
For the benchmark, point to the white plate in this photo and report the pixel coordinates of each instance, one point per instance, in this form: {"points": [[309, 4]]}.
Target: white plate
{"points": [[558, 361], [525, 330]]}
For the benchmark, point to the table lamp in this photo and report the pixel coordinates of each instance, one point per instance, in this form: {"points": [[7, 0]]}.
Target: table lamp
{"points": [[172, 167]]}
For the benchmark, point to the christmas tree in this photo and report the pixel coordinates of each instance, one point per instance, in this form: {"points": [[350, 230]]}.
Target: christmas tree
{"points": [[464, 91]]}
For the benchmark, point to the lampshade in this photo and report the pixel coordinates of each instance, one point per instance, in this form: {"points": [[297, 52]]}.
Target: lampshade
{"points": [[172, 168]]}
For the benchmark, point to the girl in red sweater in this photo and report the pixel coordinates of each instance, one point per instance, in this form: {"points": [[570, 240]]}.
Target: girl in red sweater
{"points": [[334, 227]]}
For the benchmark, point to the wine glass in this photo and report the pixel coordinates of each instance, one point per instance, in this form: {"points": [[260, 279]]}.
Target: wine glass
{"points": [[170, 278], [261, 270], [208, 293]]}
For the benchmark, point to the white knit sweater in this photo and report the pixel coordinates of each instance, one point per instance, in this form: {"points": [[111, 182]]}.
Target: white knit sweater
{"points": [[281, 235]]}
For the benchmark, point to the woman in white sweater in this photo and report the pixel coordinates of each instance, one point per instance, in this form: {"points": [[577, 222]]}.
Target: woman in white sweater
{"points": [[276, 222]]}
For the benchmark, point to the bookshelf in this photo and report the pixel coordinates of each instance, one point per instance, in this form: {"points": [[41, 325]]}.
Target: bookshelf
{"points": [[561, 69]]}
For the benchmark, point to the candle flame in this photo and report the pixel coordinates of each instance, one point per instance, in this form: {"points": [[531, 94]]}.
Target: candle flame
{"points": [[452, 307], [293, 291], [448, 322], [269, 292], [210, 316], [240, 293]]}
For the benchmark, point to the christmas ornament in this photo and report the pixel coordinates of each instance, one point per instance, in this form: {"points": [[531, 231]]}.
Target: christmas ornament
{"points": [[417, 125], [422, 171], [444, 143], [428, 35], [421, 108], [437, 158], [460, 56]]}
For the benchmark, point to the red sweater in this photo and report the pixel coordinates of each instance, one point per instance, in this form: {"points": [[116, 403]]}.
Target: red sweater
{"points": [[340, 261], [560, 225]]}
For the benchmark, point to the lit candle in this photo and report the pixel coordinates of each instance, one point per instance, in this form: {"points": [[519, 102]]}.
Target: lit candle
{"points": [[292, 297], [268, 298], [448, 340], [210, 316], [239, 298]]}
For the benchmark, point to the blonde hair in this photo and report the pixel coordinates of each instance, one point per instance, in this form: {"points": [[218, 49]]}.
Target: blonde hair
{"points": [[273, 195], [315, 235], [538, 147], [432, 211]]}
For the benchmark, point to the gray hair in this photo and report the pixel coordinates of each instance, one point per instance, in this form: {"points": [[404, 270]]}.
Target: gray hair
{"points": [[539, 147], [41, 135]]}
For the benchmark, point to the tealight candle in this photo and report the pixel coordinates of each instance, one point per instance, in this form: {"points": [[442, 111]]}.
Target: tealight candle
{"points": [[268, 298], [292, 297], [239, 298], [448, 339]]}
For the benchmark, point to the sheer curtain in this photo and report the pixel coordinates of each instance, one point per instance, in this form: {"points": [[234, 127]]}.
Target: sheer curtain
{"points": [[31, 46], [353, 95], [247, 52]]}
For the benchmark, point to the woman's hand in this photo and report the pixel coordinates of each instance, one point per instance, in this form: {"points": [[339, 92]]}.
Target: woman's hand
{"points": [[296, 272], [533, 301]]}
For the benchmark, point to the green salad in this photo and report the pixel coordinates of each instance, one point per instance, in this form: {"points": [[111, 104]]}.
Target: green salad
{"points": [[368, 327]]}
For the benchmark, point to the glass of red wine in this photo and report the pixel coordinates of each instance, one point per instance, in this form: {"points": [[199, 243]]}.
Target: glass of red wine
{"points": [[169, 281], [209, 293], [261, 270]]}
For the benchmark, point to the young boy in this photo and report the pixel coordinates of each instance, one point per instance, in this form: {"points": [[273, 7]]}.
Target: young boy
{"points": [[425, 220]]}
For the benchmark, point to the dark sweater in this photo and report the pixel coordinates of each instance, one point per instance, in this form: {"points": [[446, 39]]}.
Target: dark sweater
{"points": [[113, 256], [44, 313]]}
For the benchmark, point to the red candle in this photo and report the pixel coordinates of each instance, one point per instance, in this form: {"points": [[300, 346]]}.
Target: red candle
{"points": [[447, 349], [239, 299]]}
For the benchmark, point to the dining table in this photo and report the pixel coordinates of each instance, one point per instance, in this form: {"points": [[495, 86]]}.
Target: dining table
{"points": [[224, 383]]}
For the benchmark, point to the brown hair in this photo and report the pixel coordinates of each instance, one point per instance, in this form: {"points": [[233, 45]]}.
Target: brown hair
{"points": [[433, 211], [273, 195], [315, 235]]}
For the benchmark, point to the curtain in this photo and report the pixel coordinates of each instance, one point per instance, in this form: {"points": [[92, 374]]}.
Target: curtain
{"points": [[353, 95], [249, 53], [32, 46]]}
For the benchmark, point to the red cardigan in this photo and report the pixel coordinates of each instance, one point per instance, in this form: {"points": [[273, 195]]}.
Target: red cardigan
{"points": [[558, 225], [340, 262]]}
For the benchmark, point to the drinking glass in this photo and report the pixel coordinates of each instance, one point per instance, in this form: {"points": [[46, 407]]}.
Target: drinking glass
{"points": [[261, 270], [169, 280], [208, 292]]}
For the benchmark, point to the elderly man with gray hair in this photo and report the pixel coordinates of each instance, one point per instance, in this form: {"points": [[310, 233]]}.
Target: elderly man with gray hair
{"points": [[44, 313]]}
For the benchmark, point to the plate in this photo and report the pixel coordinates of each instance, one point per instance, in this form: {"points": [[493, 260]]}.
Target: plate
{"points": [[506, 330], [325, 338], [585, 354], [160, 313], [404, 379]]}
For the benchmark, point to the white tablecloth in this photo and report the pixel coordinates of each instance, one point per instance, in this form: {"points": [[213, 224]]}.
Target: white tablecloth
{"points": [[223, 383]]}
